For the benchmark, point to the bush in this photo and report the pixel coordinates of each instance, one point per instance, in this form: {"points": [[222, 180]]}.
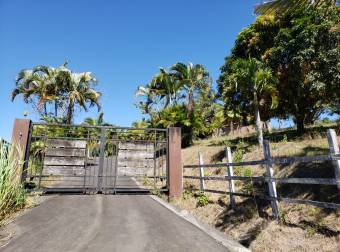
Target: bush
{"points": [[12, 193], [202, 199], [247, 187]]}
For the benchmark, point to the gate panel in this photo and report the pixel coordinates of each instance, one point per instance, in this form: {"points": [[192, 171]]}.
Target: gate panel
{"points": [[80, 158]]}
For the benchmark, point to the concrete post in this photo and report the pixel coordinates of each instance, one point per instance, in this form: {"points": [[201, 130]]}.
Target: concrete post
{"points": [[271, 182], [175, 170], [230, 173], [201, 163], [334, 150], [20, 142]]}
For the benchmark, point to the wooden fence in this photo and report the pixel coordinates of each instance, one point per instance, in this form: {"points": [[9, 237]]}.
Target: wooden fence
{"points": [[269, 178]]}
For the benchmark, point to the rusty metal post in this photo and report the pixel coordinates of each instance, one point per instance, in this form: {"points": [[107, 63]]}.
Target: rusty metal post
{"points": [[20, 142], [175, 170]]}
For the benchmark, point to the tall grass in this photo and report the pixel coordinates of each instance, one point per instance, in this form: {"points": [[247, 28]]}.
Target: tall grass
{"points": [[12, 193]]}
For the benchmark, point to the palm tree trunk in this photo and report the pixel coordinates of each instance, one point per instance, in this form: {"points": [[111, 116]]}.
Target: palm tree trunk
{"points": [[45, 109], [231, 128], [258, 120], [70, 113], [190, 105], [56, 108]]}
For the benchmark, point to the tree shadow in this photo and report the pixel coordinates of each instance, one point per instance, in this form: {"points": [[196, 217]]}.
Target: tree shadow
{"points": [[317, 228], [324, 193], [243, 212]]}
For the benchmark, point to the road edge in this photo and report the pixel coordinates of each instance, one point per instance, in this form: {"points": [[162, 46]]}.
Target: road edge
{"points": [[230, 244]]}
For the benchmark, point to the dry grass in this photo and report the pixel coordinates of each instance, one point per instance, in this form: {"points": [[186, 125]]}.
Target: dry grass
{"points": [[301, 227]]}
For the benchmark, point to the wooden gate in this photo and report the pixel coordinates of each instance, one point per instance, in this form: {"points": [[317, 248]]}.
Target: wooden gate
{"points": [[78, 158]]}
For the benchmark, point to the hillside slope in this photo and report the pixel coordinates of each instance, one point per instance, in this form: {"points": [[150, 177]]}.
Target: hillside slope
{"points": [[301, 227]]}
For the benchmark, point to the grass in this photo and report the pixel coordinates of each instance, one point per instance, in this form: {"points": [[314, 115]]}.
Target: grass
{"points": [[12, 193], [313, 228]]}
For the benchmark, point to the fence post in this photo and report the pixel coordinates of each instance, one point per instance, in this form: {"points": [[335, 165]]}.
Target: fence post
{"points": [[201, 163], [270, 175], [20, 139], [334, 149], [230, 173], [174, 163]]}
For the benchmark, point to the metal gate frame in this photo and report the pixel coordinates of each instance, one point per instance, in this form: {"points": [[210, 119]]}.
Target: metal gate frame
{"points": [[104, 139]]}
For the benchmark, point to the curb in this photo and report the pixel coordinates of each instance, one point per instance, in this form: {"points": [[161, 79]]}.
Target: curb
{"points": [[230, 244]]}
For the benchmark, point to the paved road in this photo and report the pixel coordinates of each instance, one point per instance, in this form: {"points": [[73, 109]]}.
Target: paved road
{"points": [[105, 223]]}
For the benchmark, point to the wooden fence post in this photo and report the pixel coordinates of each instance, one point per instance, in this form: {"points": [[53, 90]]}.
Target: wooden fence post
{"points": [[270, 175], [201, 162], [21, 141], [230, 173], [174, 163], [334, 149]]}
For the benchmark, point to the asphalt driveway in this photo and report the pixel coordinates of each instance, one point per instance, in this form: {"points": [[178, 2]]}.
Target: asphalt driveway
{"points": [[105, 223]]}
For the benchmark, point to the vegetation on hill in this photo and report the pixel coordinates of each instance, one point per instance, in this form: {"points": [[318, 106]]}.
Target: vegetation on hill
{"points": [[285, 66], [312, 228]]}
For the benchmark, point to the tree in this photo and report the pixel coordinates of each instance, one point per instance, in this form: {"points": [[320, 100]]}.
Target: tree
{"points": [[44, 85], [38, 87], [162, 91], [176, 116], [99, 121], [193, 78], [282, 6], [305, 57], [301, 47], [141, 124], [165, 103], [252, 85], [79, 92]]}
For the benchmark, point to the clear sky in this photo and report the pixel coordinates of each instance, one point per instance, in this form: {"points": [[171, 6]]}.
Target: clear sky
{"points": [[122, 42]]}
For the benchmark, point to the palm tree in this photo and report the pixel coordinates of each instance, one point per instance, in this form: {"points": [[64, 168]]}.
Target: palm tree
{"points": [[281, 6], [256, 81], [141, 124], [192, 78], [79, 92], [163, 88], [43, 84], [37, 85], [166, 86], [95, 121]]}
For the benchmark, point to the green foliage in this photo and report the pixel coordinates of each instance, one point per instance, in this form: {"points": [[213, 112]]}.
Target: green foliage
{"points": [[284, 139], [249, 86], [282, 6], [187, 194], [58, 88], [202, 199], [247, 187], [12, 194], [182, 96], [238, 155], [305, 57], [300, 48]]}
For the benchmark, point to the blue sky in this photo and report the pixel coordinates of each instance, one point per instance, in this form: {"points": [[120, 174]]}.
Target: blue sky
{"points": [[123, 42]]}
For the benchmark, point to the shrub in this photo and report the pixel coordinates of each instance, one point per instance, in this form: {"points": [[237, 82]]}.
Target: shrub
{"points": [[202, 199], [247, 185], [12, 193], [238, 155], [186, 194]]}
